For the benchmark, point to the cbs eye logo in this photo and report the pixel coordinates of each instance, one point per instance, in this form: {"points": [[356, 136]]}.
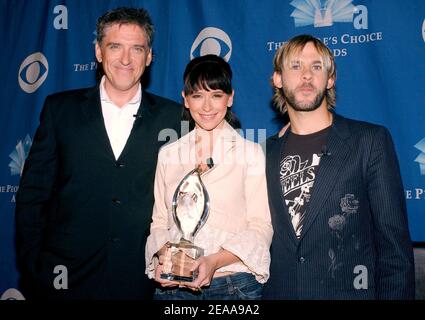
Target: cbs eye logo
{"points": [[32, 72], [212, 41]]}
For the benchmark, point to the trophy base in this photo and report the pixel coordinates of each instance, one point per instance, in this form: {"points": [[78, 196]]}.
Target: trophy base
{"points": [[173, 277], [178, 261]]}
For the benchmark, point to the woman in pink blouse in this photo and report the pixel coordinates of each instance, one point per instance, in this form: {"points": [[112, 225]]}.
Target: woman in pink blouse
{"points": [[237, 234]]}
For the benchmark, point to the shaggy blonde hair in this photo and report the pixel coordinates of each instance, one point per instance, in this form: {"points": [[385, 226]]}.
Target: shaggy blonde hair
{"points": [[293, 47]]}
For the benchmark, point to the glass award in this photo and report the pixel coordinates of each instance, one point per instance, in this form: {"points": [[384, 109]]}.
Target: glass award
{"points": [[190, 209]]}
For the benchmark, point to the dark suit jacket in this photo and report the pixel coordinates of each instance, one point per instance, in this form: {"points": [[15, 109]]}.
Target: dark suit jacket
{"points": [[355, 242], [79, 207]]}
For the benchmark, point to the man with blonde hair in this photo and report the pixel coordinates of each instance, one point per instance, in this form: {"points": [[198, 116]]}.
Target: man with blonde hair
{"points": [[335, 192]]}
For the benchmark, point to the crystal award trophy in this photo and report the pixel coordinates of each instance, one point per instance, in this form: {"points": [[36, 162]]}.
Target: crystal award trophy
{"points": [[190, 212]]}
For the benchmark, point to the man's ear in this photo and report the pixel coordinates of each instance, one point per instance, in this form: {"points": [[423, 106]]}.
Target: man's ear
{"points": [[149, 58], [331, 83], [98, 52], [277, 79]]}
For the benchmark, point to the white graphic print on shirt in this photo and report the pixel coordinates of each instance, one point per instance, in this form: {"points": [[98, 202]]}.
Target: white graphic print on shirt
{"points": [[297, 179]]}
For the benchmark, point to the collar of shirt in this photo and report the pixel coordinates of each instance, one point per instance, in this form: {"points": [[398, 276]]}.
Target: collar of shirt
{"points": [[118, 121], [105, 98]]}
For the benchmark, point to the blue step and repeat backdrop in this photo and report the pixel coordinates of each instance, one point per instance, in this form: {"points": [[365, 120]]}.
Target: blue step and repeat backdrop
{"points": [[379, 47]]}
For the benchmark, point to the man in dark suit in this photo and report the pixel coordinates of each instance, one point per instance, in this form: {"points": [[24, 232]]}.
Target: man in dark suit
{"points": [[86, 195], [335, 192]]}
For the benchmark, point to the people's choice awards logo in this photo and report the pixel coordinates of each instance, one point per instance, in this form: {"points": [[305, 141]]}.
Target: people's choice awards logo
{"points": [[212, 41], [19, 156], [421, 157], [313, 12], [32, 72]]}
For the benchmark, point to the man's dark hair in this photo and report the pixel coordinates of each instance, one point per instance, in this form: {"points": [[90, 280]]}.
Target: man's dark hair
{"points": [[124, 15]]}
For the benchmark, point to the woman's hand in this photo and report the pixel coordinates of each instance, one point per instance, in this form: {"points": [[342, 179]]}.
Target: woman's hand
{"points": [[159, 269], [207, 266]]}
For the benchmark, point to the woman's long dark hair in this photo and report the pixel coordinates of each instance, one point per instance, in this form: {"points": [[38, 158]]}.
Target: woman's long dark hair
{"points": [[209, 72]]}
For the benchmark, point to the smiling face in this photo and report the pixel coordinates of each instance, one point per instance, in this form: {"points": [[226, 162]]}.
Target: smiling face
{"points": [[208, 107], [304, 80], [124, 53]]}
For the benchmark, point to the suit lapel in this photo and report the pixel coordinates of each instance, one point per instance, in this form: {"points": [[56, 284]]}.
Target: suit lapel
{"points": [[187, 156], [222, 152], [92, 110], [282, 215], [144, 111], [224, 146], [329, 169]]}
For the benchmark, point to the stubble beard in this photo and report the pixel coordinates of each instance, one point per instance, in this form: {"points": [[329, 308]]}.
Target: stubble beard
{"points": [[300, 106]]}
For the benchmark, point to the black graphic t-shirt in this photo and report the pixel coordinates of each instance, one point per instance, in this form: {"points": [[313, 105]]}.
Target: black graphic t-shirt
{"points": [[298, 169]]}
